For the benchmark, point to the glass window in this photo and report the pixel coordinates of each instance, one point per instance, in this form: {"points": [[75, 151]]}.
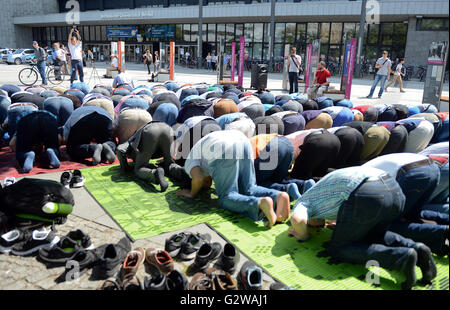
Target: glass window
{"points": [[194, 32], [336, 33], [92, 32], [278, 51], [230, 32], [325, 33], [179, 32], [258, 33], [400, 32], [98, 35], [103, 33], [387, 30], [220, 32], [211, 32], [204, 32], [373, 34], [323, 52], [86, 36], [279, 32], [290, 32], [432, 24], [248, 33], [334, 56], [187, 32], [350, 31], [312, 32], [301, 32], [257, 51], [239, 31]]}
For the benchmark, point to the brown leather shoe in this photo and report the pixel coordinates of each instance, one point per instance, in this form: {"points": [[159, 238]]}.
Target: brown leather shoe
{"points": [[222, 281], [132, 261], [160, 259], [201, 282]]}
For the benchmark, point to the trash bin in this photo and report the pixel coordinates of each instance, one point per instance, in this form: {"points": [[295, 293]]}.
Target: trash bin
{"points": [[259, 76]]}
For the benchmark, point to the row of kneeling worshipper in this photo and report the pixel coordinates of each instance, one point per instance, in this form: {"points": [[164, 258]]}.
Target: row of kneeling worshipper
{"points": [[377, 174]]}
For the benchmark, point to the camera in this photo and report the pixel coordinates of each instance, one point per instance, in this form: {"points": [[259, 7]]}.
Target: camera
{"points": [[74, 27]]}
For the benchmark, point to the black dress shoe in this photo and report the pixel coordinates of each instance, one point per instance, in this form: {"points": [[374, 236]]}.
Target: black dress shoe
{"points": [[156, 283], [230, 258], [207, 253]]}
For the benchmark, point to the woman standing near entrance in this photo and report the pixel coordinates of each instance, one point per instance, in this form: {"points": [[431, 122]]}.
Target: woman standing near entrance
{"points": [[148, 59], [156, 63]]}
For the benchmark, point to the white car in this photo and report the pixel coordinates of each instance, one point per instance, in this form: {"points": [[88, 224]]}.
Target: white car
{"points": [[19, 56]]}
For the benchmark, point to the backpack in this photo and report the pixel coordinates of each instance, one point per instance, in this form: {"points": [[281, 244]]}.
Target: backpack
{"points": [[25, 199]]}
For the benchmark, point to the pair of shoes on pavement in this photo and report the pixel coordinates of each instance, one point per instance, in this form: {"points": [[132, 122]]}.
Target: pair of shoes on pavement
{"points": [[213, 279], [73, 246], [228, 257], [174, 281], [185, 245], [24, 242], [73, 179]]}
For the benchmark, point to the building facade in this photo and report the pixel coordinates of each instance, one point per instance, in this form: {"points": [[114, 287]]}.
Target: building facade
{"points": [[405, 28]]}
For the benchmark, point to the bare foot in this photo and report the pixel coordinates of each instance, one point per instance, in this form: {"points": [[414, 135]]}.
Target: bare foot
{"points": [[292, 232], [283, 207], [266, 206]]}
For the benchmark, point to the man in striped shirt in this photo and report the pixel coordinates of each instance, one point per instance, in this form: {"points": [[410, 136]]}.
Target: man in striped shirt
{"points": [[364, 203]]}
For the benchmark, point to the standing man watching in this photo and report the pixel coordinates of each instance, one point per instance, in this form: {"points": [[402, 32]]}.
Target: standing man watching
{"points": [[41, 57], [76, 55], [294, 66], [57, 60], [321, 81], [383, 65], [397, 76]]}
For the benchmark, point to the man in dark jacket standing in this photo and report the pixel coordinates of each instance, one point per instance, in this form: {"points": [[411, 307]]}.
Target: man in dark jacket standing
{"points": [[41, 58]]}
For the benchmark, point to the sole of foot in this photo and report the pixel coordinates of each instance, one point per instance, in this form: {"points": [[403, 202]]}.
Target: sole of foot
{"points": [[108, 153], [266, 206], [283, 207], [97, 157], [426, 263]]}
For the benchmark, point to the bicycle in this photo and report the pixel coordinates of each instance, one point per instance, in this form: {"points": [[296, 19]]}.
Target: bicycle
{"points": [[29, 76]]}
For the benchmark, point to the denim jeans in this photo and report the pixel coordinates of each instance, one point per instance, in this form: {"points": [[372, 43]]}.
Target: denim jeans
{"points": [[41, 68], [91, 127], [273, 163], [378, 78], [362, 230], [14, 113], [61, 107], [76, 65], [440, 193], [236, 185], [418, 184], [293, 82]]}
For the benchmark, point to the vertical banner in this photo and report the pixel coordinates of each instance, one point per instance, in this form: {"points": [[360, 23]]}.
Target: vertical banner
{"points": [[351, 67], [434, 78], [172, 59], [308, 66], [233, 59], [241, 61], [344, 74], [121, 53]]}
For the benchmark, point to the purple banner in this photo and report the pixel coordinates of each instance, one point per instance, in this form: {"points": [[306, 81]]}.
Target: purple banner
{"points": [[233, 59], [351, 66], [241, 61], [308, 66]]}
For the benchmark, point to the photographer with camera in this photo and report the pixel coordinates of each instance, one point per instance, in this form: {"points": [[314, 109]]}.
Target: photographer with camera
{"points": [[76, 55], [294, 63]]}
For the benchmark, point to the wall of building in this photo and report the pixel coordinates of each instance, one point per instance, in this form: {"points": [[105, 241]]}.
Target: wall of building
{"points": [[418, 42], [20, 36]]}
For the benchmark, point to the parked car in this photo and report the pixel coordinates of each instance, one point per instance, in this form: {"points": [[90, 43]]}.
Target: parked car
{"points": [[4, 53], [19, 56]]}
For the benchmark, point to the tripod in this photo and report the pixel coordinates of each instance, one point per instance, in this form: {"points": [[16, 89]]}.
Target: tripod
{"points": [[94, 74]]}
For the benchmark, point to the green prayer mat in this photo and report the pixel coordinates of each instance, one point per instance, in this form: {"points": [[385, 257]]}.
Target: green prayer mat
{"points": [[143, 211]]}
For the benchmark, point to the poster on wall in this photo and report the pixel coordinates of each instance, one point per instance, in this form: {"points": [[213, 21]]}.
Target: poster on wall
{"points": [[437, 52], [160, 31], [121, 32], [312, 59]]}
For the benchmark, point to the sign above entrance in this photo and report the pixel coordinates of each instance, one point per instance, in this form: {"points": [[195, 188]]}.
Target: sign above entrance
{"points": [[121, 32], [160, 31]]}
